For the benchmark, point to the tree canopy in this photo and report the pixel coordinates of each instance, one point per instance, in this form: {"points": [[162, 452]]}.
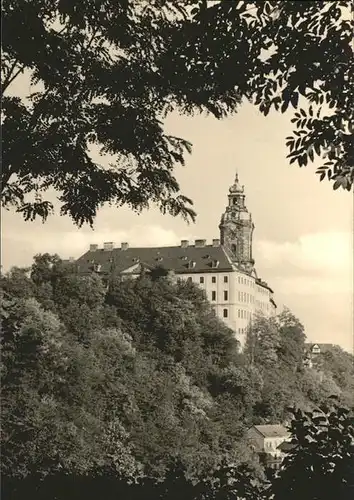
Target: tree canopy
{"points": [[137, 382], [135, 375], [105, 74]]}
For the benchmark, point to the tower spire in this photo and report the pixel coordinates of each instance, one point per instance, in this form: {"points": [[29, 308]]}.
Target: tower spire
{"points": [[236, 226], [236, 187]]}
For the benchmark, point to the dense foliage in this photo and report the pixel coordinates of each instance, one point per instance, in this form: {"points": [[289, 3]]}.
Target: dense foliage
{"points": [[104, 75], [134, 381], [321, 463]]}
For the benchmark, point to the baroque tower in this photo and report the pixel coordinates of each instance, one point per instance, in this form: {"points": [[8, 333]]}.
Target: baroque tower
{"points": [[236, 228]]}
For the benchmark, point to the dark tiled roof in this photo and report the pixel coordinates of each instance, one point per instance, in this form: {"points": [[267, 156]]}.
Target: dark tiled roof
{"points": [[174, 258], [286, 446], [264, 284], [272, 430]]}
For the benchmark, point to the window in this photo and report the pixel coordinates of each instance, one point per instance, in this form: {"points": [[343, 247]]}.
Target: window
{"points": [[226, 295], [201, 279], [226, 279], [189, 279], [225, 313], [213, 279], [238, 313], [213, 295]]}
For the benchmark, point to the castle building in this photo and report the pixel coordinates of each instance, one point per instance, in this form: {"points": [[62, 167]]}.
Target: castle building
{"points": [[224, 269]]}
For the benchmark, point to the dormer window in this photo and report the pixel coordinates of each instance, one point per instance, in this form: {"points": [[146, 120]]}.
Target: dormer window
{"points": [[215, 263], [97, 268], [191, 264], [184, 257]]}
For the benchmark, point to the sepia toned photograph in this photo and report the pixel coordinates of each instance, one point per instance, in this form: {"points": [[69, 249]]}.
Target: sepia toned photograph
{"points": [[177, 250]]}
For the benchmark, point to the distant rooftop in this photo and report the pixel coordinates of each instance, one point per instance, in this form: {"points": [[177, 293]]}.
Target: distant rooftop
{"points": [[272, 430]]}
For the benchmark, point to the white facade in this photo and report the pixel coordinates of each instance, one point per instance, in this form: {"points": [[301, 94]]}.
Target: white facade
{"points": [[235, 296]]}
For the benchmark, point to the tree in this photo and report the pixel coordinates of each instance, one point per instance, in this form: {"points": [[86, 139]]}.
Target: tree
{"points": [[292, 340], [321, 461], [105, 74], [131, 363], [262, 341]]}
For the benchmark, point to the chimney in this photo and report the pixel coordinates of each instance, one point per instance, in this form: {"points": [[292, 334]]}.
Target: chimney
{"points": [[184, 243], [93, 248], [216, 243], [108, 245], [200, 243], [124, 246]]}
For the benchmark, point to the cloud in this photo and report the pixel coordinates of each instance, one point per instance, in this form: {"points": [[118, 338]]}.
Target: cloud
{"points": [[313, 275], [315, 263], [19, 248]]}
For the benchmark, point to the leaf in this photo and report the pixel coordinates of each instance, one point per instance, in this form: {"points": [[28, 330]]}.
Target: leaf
{"points": [[294, 99], [338, 183]]}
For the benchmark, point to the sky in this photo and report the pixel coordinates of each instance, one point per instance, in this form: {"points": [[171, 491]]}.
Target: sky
{"points": [[303, 238]]}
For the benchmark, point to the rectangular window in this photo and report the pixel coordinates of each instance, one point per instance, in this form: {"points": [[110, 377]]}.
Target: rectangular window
{"points": [[189, 279], [225, 313], [238, 313], [201, 279], [226, 295], [213, 295], [213, 279], [226, 279]]}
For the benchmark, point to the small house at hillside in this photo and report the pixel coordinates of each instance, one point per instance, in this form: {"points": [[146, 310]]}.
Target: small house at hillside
{"points": [[313, 353], [267, 438], [315, 349]]}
